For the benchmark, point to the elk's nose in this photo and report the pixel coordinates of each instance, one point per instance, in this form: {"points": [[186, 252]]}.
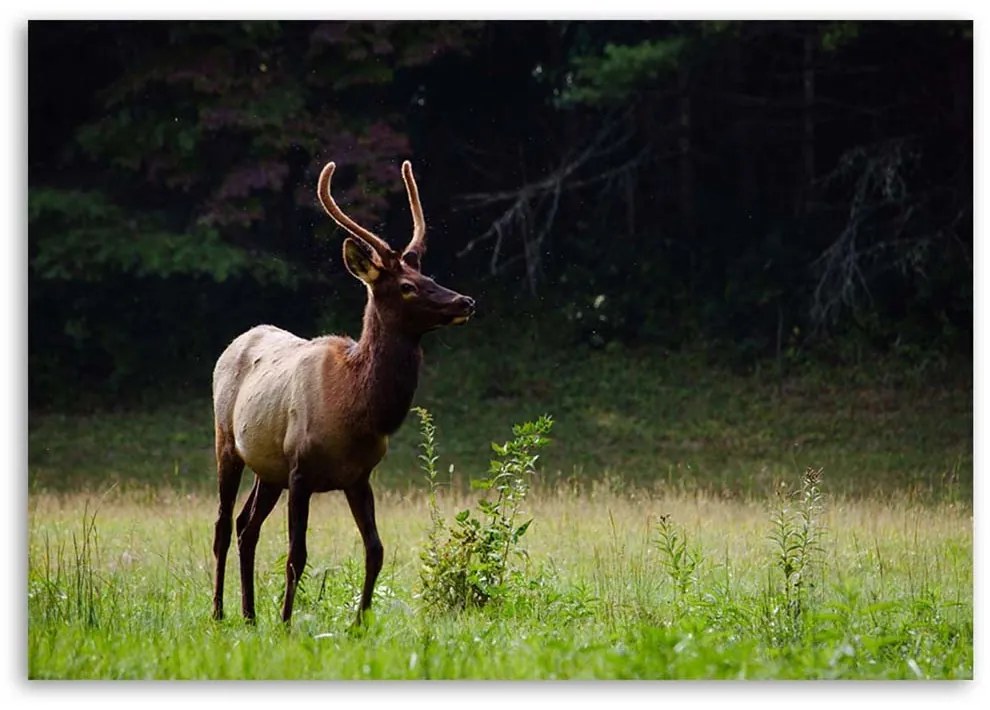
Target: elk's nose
{"points": [[467, 302]]}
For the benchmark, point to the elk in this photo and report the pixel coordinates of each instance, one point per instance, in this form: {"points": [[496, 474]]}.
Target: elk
{"points": [[314, 415]]}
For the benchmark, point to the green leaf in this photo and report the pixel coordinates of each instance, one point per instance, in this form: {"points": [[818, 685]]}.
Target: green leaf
{"points": [[622, 70], [521, 530]]}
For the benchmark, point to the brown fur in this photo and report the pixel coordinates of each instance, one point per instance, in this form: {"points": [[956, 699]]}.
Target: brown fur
{"points": [[314, 415]]}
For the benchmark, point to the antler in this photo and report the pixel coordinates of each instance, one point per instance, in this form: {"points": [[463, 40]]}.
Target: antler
{"points": [[323, 192], [414, 252]]}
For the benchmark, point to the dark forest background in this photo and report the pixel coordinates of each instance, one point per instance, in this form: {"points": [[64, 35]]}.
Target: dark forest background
{"points": [[761, 192]]}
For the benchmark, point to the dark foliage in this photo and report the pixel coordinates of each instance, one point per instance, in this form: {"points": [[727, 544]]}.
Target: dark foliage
{"points": [[760, 187]]}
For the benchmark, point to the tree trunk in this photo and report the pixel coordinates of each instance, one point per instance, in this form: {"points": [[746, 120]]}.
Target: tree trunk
{"points": [[808, 121], [746, 151], [688, 221]]}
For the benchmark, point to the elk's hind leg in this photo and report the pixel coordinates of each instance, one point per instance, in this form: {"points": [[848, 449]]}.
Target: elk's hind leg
{"points": [[245, 514], [259, 505], [229, 469]]}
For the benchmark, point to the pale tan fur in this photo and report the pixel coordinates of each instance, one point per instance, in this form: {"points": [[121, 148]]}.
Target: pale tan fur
{"points": [[270, 394]]}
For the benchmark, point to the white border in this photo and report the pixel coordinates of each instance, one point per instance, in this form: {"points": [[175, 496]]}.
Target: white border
{"points": [[13, 306]]}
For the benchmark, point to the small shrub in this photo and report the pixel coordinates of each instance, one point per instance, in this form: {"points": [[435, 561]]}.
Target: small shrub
{"points": [[468, 564]]}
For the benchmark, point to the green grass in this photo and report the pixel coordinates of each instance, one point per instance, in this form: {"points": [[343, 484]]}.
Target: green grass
{"points": [[644, 416], [122, 502], [120, 588]]}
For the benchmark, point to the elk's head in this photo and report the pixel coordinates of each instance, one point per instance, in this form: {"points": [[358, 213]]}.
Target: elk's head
{"points": [[412, 302]]}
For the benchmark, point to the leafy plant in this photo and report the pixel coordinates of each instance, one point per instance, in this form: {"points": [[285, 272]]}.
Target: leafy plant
{"points": [[679, 562], [469, 563], [796, 535]]}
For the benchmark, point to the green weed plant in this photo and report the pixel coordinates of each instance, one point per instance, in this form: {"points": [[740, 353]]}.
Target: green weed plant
{"points": [[470, 563]]}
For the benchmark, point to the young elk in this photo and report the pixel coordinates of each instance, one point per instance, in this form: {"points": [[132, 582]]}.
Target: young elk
{"points": [[314, 415]]}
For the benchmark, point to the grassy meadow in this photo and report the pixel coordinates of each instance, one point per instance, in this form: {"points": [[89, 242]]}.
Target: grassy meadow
{"points": [[120, 588], [670, 539]]}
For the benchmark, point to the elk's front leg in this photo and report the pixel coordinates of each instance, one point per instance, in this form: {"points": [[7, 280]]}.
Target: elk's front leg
{"points": [[299, 495], [362, 502]]}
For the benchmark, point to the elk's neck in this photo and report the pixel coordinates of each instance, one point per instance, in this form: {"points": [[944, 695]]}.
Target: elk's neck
{"points": [[389, 371]]}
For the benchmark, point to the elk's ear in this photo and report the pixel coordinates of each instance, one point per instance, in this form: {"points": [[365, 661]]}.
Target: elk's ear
{"points": [[412, 259], [361, 260]]}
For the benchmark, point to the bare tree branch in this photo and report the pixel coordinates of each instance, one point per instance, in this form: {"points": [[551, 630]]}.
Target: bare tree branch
{"points": [[889, 226], [532, 208]]}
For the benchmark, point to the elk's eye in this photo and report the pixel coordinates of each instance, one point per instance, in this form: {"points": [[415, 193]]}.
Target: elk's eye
{"points": [[407, 288]]}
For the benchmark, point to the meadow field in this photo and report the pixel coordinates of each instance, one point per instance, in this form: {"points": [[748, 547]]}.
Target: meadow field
{"points": [[672, 537], [120, 588]]}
